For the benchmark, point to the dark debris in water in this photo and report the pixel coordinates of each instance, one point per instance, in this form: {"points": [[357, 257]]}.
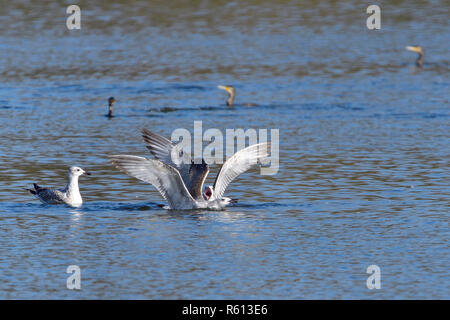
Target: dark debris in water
{"points": [[174, 109]]}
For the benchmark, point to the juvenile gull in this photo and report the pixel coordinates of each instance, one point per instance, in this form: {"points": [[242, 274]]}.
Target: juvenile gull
{"points": [[70, 195], [168, 179]]}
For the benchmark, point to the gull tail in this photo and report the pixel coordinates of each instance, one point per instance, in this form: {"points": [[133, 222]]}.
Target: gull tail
{"points": [[36, 189], [31, 191]]}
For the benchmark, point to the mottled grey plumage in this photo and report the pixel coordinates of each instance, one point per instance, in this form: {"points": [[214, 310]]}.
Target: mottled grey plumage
{"points": [[70, 195], [49, 196]]}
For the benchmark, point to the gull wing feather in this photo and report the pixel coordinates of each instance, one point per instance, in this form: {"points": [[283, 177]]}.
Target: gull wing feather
{"points": [[240, 162], [193, 175], [164, 178], [197, 177], [50, 196], [166, 151]]}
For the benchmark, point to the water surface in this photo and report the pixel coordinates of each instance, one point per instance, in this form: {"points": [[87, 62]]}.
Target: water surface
{"points": [[364, 148]]}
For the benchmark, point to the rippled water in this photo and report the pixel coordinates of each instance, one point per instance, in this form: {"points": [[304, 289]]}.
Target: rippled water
{"points": [[364, 147]]}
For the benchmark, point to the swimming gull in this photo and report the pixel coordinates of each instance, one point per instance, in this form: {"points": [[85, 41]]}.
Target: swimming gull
{"points": [[70, 195]]}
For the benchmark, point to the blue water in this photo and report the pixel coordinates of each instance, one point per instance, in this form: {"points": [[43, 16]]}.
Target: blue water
{"points": [[364, 150]]}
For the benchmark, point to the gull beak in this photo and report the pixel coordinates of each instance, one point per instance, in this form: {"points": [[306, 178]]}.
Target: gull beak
{"points": [[88, 173]]}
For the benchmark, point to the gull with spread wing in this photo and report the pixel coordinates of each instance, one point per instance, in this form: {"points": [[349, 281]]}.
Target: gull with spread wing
{"points": [[179, 180]]}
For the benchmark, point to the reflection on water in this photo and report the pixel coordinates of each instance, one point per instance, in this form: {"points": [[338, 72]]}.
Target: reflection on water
{"points": [[364, 152]]}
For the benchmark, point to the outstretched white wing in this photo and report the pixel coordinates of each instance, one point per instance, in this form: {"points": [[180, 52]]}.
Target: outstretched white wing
{"points": [[193, 175], [166, 151], [240, 162], [164, 178]]}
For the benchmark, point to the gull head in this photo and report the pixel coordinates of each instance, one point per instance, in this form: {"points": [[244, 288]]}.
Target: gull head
{"points": [[209, 190], [77, 171]]}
